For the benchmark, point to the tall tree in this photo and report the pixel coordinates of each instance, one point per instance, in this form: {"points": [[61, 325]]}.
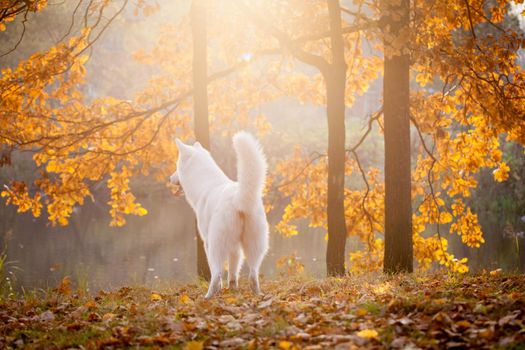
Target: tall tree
{"points": [[200, 102], [335, 77], [333, 70], [396, 110]]}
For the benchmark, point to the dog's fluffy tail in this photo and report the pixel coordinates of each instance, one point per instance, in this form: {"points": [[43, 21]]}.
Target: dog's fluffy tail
{"points": [[251, 170]]}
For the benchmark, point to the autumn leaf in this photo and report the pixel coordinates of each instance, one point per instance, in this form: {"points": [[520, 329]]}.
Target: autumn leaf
{"points": [[495, 272], [362, 312], [155, 297], [463, 324], [185, 299], [486, 333], [368, 334], [90, 304], [285, 345], [46, 316], [502, 172], [64, 287], [194, 345], [108, 317], [231, 299]]}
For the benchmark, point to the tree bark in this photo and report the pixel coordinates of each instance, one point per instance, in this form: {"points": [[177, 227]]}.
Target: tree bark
{"points": [[398, 211], [200, 103], [335, 78]]}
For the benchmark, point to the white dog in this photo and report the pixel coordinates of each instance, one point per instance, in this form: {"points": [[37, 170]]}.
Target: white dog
{"points": [[230, 215]]}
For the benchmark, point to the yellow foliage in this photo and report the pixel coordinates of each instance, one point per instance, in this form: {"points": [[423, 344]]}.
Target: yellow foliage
{"points": [[473, 94], [502, 172], [289, 265]]}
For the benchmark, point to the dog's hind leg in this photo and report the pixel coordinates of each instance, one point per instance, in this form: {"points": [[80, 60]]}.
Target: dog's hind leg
{"points": [[254, 281], [216, 258], [254, 245], [254, 254], [234, 267]]}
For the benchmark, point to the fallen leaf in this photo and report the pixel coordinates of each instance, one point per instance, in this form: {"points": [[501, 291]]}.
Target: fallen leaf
{"points": [[194, 345], [231, 300], [440, 301], [233, 342], [507, 319], [74, 326], [480, 309], [159, 339], [455, 345], [64, 287], [399, 343], [226, 318], [301, 336], [441, 317], [265, 304], [91, 304], [463, 324], [108, 317], [94, 317], [486, 333], [46, 316], [405, 321], [155, 297], [362, 312], [368, 334], [185, 299], [285, 345], [495, 272], [78, 312], [108, 342]]}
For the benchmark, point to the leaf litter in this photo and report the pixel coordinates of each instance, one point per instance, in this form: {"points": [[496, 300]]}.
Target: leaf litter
{"points": [[355, 312]]}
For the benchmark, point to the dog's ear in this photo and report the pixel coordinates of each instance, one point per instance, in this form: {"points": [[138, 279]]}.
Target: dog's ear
{"points": [[198, 145], [184, 150], [174, 178], [182, 146]]}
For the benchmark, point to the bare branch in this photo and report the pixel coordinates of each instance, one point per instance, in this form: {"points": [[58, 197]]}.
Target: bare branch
{"points": [[284, 40], [72, 24], [21, 35], [365, 197], [371, 120]]}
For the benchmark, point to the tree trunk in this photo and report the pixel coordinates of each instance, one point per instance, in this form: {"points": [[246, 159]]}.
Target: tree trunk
{"points": [[335, 78], [398, 212], [200, 103]]}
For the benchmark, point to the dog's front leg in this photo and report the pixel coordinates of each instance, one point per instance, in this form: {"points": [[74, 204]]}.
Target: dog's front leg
{"points": [[216, 258], [215, 285]]}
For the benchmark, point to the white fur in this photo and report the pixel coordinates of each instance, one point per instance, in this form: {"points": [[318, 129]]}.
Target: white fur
{"points": [[230, 215]]}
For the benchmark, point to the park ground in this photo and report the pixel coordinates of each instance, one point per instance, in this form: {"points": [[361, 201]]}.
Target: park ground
{"points": [[374, 311]]}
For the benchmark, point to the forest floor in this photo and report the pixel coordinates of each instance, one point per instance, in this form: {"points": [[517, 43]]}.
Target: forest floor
{"points": [[355, 312]]}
